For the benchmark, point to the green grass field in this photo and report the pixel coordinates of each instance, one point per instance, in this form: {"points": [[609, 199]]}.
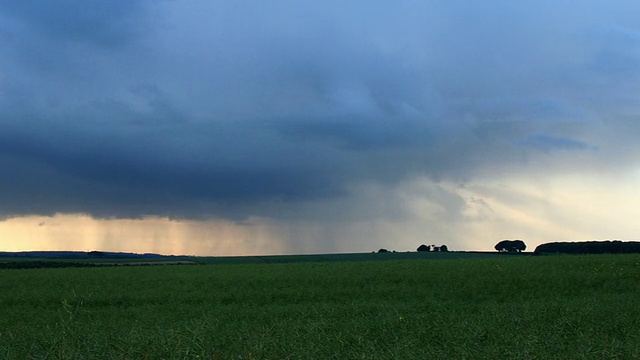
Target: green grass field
{"points": [[507, 307]]}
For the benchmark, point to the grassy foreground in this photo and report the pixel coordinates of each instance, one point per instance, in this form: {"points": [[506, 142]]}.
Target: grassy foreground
{"points": [[553, 307]]}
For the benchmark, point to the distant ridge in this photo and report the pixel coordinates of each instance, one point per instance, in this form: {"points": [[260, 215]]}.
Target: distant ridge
{"points": [[80, 255]]}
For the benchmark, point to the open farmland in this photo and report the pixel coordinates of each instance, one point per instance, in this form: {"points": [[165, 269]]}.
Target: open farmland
{"points": [[517, 307]]}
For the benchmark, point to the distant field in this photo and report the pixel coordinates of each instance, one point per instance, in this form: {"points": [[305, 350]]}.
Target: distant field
{"points": [[272, 259], [265, 259], [498, 307]]}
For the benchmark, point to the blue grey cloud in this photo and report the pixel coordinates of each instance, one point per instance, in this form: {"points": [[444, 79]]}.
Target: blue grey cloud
{"points": [[102, 23], [550, 143], [133, 108]]}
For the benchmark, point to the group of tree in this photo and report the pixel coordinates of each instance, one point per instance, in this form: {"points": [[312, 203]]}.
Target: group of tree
{"points": [[421, 248], [511, 246], [590, 247], [432, 248]]}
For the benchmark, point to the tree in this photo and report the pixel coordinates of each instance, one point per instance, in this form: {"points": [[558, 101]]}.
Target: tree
{"points": [[510, 246], [444, 248], [383, 251], [503, 246], [424, 248], [518, 245]]}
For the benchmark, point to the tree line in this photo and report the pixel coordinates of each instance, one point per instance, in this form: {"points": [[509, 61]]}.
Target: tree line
{"points": [[590, 247]]}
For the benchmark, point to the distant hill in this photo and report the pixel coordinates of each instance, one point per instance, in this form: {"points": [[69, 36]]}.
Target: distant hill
{"points": [[79, 255]]}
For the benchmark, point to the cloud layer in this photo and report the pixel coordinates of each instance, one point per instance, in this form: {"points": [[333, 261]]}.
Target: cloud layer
{"points": [[289, 110]]}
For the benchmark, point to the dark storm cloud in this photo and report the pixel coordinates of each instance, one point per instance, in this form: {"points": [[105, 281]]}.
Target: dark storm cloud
{"points": [[132, 108], [103, 23]]}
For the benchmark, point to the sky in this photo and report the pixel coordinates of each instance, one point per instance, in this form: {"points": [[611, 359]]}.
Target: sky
{"points": [[243, 128]]}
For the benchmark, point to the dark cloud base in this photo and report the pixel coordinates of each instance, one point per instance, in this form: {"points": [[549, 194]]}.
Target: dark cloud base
{"points": [[137, 108]]}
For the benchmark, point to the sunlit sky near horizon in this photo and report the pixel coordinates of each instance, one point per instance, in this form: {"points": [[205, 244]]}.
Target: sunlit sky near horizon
{"points": [[227, 128]]}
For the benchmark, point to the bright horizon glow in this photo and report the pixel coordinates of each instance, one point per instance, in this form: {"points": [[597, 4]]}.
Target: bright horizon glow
{"points": [[79, 232], [566, 208]]}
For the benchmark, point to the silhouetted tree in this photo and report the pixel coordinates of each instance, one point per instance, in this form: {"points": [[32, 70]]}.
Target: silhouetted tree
{"points": [[444, 248], [383, 251], [510, 246], [503, 246], [518, 245], [424, 248]]}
